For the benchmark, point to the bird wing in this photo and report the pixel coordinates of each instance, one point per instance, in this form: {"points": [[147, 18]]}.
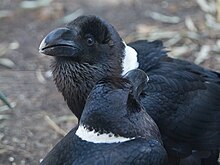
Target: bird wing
{"points": [[183, 98]]}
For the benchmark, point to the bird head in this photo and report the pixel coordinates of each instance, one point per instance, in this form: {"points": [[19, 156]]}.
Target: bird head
{"points": [[87, 39], [85, 51], [112, 109], [138, 78]]}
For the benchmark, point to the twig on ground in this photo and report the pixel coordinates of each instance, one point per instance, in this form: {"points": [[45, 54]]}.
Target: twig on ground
{"points": [[35, 4], [54, 126], [192, 35], [7, 63], [4, 117], [209, 7], [203, 54], [162, 35], [163, 18], [179, 51], [5, 13], [6, 107], [70, 16], [218, 10], [5, 100], [211, 22], [173, 40], [66, 118], [190, 24], [40, 76]]}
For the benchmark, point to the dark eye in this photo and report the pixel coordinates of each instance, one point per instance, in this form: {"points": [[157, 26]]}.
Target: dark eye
{"points": [[90, 41]]}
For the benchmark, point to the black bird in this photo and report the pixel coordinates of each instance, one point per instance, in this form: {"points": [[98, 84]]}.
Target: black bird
{"points": [[114, 129], [182, 98]]}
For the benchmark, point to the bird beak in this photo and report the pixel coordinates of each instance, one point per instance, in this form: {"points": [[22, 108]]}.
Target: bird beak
{"points": [[59, 42], [138, 79]]}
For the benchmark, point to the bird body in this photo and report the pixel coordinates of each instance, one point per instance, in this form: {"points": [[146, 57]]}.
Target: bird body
{"points": [[182, 98], [131, 137], [187, 93]]}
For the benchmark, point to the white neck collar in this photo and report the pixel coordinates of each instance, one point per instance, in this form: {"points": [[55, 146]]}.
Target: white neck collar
{"points": [[95, 137], [130, 59]]}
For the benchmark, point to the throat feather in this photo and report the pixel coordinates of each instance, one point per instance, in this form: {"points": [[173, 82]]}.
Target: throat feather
{"points": [[75, 81]]}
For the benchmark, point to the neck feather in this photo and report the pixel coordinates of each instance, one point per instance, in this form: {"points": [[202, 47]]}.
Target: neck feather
{"points": [[75, 81]]}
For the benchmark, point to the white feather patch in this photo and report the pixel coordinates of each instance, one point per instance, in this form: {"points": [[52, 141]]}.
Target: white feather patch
{"points": [[130, 59], [94, 137]]}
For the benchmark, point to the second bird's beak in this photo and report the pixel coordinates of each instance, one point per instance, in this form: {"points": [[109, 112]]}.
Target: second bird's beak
{"points": [[138, 79], [59, 42]]}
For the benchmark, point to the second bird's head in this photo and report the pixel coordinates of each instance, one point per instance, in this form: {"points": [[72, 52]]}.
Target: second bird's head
{"points": [[112, 109]]}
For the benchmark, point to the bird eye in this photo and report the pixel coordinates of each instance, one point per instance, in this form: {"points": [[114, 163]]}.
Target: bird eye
{"points": [[90, 41]]}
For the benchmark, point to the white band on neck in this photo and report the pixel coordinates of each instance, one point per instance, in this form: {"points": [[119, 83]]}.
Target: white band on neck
{"points": [[95, 137], [130, 59]]}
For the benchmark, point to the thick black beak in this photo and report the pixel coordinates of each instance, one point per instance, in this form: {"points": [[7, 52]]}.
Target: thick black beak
{"points": [[138, 79], [59, 42]]}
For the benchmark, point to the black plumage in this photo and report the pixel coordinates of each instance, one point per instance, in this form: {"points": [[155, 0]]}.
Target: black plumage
{"points": [[187, 93], [183, 98], [108, 111]]}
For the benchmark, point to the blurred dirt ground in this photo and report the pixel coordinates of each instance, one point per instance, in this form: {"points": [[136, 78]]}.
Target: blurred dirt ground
{"points": [[40, 116]]}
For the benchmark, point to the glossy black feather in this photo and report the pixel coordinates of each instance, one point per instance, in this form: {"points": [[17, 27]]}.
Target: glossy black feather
{"points": [[182, 98], [71, 150]]}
